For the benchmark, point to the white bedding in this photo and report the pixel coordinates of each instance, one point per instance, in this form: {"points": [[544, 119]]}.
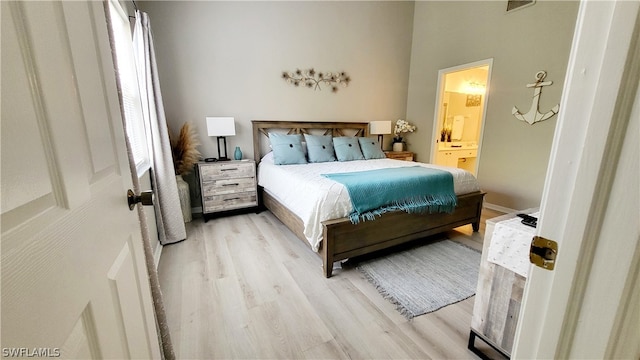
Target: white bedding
{"points": [[314, 198]]}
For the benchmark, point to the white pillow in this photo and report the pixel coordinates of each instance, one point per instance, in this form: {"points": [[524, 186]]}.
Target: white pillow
{"points": [[268, 158]]}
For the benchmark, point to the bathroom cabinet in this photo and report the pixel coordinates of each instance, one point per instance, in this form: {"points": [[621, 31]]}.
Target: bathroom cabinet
{"points": [[460, 158]]}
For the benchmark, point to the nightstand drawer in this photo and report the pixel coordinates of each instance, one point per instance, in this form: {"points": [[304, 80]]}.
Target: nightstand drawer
{"points": [[225, 202], [229, 186], [227, 171]]}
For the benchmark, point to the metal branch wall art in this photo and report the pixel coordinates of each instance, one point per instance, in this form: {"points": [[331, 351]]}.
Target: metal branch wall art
{"points": [[312, 79], [533, 116]]}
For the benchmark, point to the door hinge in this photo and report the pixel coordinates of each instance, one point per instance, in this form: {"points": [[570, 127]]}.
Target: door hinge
{"points": [[543, 252]]}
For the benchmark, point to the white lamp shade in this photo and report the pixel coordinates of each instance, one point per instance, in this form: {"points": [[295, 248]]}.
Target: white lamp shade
{"points": [[380, 127], [221, 126]]}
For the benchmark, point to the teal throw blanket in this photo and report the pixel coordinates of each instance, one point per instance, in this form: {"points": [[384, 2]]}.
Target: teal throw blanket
{"points": [[413, 189]]}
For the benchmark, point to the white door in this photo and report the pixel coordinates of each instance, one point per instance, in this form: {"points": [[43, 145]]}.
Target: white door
{"points": [[589, 306], [461, 108], [74, 281]]}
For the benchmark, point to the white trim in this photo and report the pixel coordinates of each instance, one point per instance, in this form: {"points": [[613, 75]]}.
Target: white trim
{"points": [[626, 332], [440, 90], [495, 207], [572, 207], [157, 254]]}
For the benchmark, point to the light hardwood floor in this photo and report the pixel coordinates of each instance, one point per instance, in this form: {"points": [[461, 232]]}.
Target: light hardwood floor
{"points": [[245, 287]]}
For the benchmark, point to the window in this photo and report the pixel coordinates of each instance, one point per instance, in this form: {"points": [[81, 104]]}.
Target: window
{"points": [[130, 97]]}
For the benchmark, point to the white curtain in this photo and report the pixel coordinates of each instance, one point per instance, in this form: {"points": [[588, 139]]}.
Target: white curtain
{"points": [[169, 217]]}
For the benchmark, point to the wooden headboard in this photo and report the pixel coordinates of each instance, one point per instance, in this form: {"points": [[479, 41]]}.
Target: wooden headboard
{"points": [[263, 127]]}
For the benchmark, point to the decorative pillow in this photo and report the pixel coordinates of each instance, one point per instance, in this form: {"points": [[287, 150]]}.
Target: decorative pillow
{"points": [[347, 148], [287, 149], [319, 148], [371, 148]]}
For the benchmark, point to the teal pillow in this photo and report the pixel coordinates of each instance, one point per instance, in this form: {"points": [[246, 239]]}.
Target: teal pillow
{"points": [[371, 148], [347, 148], [287, 149], [319, 148]]}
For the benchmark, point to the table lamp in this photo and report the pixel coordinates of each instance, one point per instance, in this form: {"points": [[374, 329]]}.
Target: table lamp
{"points": [[221, 127], [380, 128]]}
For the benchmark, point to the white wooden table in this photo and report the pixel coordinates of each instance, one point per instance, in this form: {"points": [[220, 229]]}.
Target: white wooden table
{"points": [[498, 297]]}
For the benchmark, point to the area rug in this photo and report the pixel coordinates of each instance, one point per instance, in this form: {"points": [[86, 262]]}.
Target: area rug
{"points": [[425, 278]]}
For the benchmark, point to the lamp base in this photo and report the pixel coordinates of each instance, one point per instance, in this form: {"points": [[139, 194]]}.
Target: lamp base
{"points": [[220, 156]]}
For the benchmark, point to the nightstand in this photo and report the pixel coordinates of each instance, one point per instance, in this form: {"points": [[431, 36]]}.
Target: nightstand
{"points": [[227, 185], [400, 155]]}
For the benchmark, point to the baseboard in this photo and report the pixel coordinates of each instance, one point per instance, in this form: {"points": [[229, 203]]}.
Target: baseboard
{"points": [[156, 255], [495, 207], [196, 210]]}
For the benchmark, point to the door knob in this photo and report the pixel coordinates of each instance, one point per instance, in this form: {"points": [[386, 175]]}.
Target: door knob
{"points": [[145, 197]]}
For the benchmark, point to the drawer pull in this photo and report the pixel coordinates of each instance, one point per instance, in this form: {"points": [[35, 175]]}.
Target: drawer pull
{"points": [[234, 169], [234, 184], [231, 199]]}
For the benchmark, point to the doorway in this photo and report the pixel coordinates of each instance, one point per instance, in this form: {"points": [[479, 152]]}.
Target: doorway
{"points": [[460, 115]]}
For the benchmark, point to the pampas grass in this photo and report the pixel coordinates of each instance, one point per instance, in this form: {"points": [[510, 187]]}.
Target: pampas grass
{"points": [[184, 150]]}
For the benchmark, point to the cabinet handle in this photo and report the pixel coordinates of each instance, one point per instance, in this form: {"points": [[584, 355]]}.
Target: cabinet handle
{"points": [[229, 169], [234, 184], [235, 198]]}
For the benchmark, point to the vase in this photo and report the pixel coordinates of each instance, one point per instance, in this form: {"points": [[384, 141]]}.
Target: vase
{"points": [[237, 154], [398, 144], [185, 198]]}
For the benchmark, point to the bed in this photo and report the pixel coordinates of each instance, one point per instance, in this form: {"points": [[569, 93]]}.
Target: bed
{"points": [[335, 237]]}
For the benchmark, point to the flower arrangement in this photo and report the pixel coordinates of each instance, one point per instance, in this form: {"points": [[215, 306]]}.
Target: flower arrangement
{"points": [[402, 126]]}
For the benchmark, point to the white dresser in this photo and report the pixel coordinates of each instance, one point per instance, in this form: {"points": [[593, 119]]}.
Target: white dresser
{"points": [[227, 185]]}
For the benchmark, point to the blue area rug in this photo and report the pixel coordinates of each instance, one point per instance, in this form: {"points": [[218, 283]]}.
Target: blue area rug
{"points": [[425, 278]]}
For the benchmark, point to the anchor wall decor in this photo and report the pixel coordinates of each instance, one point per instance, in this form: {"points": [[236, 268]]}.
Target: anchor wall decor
{"points": [[533, 116]]}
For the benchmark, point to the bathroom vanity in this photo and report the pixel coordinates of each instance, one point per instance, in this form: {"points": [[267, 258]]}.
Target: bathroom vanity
{"points": [[458, 154]]}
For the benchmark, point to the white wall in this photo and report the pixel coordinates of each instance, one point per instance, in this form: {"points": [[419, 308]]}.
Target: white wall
{"points": [[225, 58], [514, 155]]}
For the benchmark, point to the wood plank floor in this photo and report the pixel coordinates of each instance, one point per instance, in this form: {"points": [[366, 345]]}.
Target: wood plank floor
{"points": [[245, 287]]}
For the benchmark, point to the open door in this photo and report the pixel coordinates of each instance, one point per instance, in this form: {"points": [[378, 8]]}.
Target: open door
{"points": [[74, 281], [589, 305], [460, 115]]}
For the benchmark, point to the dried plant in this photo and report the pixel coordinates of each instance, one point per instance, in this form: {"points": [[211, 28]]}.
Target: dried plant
{"points": [[184, 150]]}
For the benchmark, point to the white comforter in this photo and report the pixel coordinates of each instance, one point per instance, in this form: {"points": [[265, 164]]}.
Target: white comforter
{"points": [[314, 198]]}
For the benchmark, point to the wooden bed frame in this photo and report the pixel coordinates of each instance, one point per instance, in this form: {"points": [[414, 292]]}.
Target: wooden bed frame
{"points": [[342, 239]]}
